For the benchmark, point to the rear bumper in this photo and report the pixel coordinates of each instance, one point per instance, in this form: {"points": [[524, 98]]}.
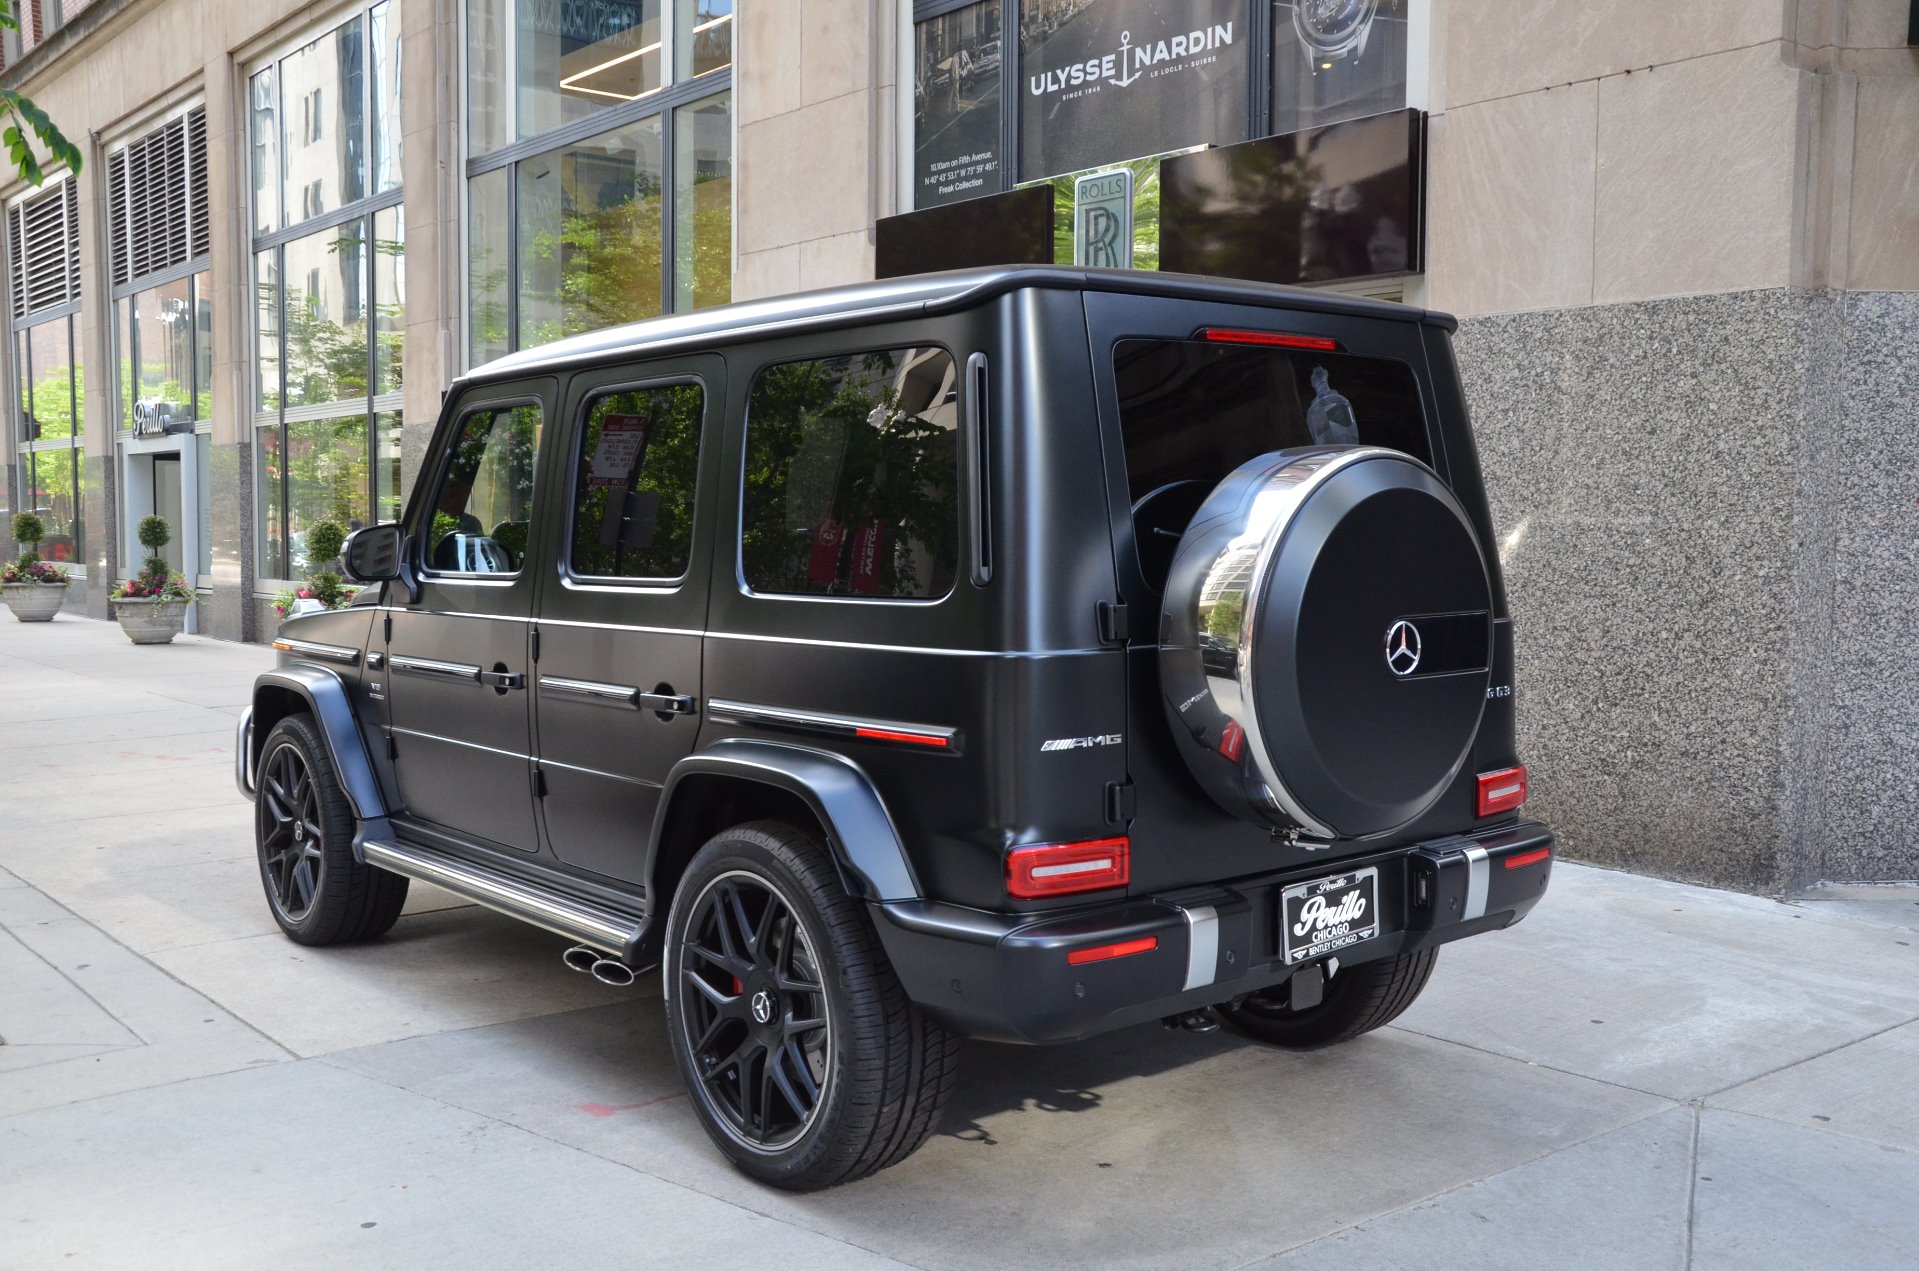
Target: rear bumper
{"points": [[1006, 977]]}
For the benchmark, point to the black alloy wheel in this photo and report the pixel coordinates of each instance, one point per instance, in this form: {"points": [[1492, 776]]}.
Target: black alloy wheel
{"points": [[290, 857], [807, 1064], [752, 1003], [303, 828]]}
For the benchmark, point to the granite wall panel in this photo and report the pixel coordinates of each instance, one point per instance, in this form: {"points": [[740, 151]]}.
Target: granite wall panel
{"points": [[1706, 507]]}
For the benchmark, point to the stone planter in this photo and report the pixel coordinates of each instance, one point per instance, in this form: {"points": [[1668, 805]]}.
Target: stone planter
{"points": [[35, 602], [148, 621]]}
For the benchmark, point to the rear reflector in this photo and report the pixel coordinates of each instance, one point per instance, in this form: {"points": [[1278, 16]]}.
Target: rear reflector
{"points": [[1103, 952], [1271, 339], [1501, 791], [917, 739], [1528, 858], [1060, 869]]}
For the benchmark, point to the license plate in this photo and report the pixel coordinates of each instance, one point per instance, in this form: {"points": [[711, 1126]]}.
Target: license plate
{"points": [[1328, 914]]}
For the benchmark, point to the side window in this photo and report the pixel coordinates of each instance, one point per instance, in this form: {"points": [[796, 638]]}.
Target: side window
{"points": [[484, 503], [851, 485], [633, 483]]}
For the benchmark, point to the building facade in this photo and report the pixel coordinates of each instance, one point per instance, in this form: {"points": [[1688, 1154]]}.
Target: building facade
{"points": [[1683, 241]]}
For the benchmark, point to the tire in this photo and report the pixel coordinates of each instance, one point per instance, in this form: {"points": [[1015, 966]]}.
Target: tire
{"points": [[805, 1061], [1358, 999], [303, 831]]}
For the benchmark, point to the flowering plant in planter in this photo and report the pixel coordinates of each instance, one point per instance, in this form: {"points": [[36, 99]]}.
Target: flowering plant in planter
{"points": [[152, 605], [34, 589], [35, 571], [324, 588]]}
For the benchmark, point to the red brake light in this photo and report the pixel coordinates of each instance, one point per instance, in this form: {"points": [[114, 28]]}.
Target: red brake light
{"points": [[1501, 791], [1059, 869], [1528, 858], [1102, 952], [1272, 339]]}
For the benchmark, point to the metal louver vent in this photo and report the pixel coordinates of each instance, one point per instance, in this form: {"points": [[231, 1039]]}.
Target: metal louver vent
{"points": [[157, 199], [44, 248]]}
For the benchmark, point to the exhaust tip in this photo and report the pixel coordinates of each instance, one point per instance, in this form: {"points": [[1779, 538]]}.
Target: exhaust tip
{"points": [[618, 974], [580, 958]]}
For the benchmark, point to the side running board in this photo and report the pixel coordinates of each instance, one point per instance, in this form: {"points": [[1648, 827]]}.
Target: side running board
{"points": [[594, 925]]}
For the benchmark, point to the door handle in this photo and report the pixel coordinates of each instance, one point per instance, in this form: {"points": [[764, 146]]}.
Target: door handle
{"points": [[503, 679], [435, 668], [665, 703]]}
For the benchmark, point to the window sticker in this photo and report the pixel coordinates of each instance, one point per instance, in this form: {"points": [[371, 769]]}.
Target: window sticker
{"points": [[1330, 418]]}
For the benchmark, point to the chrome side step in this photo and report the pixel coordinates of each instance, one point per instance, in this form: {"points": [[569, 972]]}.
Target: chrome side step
{"points": [[589, 924]]}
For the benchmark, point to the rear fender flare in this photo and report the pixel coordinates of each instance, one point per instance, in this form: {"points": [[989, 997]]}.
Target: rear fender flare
{"points": [[326, 698], [860, 832]]}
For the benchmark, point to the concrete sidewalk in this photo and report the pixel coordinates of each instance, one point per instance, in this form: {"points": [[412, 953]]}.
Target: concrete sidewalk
{"points": [[1640, 1075]]}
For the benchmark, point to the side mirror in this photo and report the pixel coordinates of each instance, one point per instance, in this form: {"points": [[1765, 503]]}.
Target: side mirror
{"points": [[377, 554], [373, 554]]}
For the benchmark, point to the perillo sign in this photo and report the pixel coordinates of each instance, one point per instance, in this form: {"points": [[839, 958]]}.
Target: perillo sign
{"points": [[1132, 62]]}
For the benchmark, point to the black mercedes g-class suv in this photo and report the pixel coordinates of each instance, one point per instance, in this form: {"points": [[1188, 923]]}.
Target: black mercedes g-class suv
{"points": [[1013, 654]]}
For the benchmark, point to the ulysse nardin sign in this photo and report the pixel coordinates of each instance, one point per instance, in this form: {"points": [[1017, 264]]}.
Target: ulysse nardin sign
{"points": [[1103, 219]]}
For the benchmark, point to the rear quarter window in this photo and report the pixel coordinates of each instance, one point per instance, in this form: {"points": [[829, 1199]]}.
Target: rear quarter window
{"points": [[851, 481]]}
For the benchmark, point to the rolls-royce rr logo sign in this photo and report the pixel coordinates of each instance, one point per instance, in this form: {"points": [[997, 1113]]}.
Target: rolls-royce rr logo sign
{"points": [[1402, 648]]}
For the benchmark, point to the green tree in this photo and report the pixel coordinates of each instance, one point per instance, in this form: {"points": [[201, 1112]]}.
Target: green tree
{"points": [[29, 118]]}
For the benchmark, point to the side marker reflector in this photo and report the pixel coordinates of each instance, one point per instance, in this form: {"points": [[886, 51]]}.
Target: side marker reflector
{"points": [[1106, 952], [917, 739], [1529, 858]]}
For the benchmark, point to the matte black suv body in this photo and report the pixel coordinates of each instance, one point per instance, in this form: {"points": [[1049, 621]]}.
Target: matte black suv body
{"points": [[826, 607]]}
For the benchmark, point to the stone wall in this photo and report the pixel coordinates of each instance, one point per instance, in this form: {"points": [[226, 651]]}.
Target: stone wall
{"points": [[1706, 508]]}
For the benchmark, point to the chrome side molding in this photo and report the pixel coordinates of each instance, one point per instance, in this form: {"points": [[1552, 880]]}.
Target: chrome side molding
{"points": [[438, 670], [243, 755], [577, 920]]}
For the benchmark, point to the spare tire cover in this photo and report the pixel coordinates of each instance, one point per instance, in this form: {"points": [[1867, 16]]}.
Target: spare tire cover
{"points": [[1326, 640]]}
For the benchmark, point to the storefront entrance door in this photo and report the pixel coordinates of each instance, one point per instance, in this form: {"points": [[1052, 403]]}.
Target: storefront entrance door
{"points": [[169, 504]]}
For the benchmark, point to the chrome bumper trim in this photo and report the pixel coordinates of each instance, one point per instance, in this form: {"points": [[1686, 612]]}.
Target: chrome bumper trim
{"points": [[243, 755]]}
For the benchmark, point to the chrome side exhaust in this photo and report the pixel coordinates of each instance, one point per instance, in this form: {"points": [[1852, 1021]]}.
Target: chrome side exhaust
{"points": [[590, 961]]}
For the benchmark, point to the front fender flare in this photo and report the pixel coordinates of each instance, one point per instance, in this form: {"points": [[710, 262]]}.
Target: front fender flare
{"points": [[326, 697], [860, 832]]}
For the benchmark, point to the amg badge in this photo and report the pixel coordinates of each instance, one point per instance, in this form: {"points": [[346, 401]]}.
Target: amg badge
{"points": [[1080, 743]]}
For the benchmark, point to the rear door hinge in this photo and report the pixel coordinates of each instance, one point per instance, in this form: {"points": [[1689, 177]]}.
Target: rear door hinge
{"points": [[539, 783], [1122, 803], [392, 747], [1113, 625], [534, 644], [386, 631]]}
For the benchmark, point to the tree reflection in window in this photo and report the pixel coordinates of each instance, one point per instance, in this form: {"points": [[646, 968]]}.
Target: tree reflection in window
{"points": [[634, 482], [851, 485], [485, 502]]}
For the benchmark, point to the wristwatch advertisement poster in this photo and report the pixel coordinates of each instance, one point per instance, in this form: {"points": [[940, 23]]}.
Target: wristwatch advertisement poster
{"points": [[957, 106], [1337, 59]]}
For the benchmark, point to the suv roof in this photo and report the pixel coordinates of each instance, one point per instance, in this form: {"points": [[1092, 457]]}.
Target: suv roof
{"points": [[916, 296]]}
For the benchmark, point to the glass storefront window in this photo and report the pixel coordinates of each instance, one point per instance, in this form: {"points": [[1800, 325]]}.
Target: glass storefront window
{"points": [[703, 203], [123, 363], [203, 472], [163, 343], [326, 343], [389, 298], [488, 228], [579, 59], [50, 395], [266, 329], [704, 37], [383, 26], [323, 124], [589, 234], [330, 311], [575, 236], [263, 126], [203, 346]]}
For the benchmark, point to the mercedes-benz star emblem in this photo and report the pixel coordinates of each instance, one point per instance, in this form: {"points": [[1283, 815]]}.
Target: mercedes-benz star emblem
{"points": [[763, 1006], [1402, 648]]}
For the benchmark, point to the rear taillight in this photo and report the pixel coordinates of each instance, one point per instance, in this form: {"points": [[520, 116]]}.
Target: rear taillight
{"points": [[1106, 952], [1059, 869], [1501, 791]]}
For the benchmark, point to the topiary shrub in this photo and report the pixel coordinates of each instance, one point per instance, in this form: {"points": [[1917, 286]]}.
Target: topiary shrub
{"points": [[324, 542], [28, 530], [154, 533], [154, 581]]}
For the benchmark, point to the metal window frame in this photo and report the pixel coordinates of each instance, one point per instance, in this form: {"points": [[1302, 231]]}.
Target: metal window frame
{"points": [[362, 209], [664, 102]]}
